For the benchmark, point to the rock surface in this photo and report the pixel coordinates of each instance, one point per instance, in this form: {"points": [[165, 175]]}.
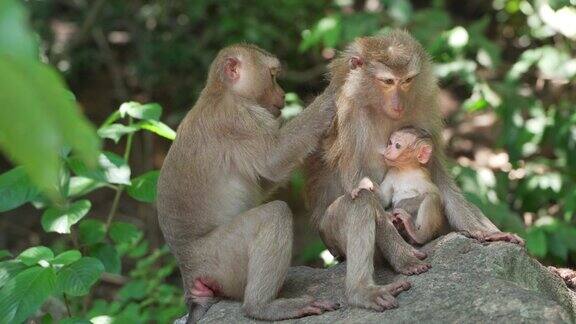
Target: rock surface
{"points": [[468, 283]]}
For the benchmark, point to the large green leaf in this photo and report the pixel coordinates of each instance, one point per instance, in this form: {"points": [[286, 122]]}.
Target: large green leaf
{"points": [[60, 220], [143, 188], [116, 131], [67, 257], [15, 189], [37, 115], [125, 233], [16, 39], [151, 111], [33, 255], [112, 169], [25, 293], [9, 269], [91, 231], [108, 255], [158, 128], [76, 279]]}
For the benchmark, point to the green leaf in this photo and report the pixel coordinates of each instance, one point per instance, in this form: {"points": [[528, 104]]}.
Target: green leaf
{"points": [[108, 255], [91, 231], [116, 131], [159, 128], [74, 320], [133, 290], [9, 269], [67, 257], [143, 188], [16, 38], [15, 189], [5, 254], [125, 233], [33, 255], [80, 186], [60, 220], [77, 278], [536, 242], [151, 111], [112, 169], [25, 293], [37, 119]]}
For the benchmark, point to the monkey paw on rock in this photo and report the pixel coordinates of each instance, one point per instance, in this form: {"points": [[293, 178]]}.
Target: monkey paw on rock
{"points": [[378, 298], [494, 237]]}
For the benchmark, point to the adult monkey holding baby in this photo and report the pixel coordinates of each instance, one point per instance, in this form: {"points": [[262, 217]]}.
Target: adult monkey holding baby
{"points": [[229, 154], [379, 84]]}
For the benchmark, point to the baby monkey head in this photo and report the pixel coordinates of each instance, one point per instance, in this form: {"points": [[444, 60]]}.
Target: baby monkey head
{"points": [[408, 147]]}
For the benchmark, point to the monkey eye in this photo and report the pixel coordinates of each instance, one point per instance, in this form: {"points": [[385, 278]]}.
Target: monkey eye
{"points": [[388, 81], [398, 146], [408, 80]]}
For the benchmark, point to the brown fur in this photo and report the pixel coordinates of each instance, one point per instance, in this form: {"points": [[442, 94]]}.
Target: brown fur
{"points": [[365, 119], [229, 154]]}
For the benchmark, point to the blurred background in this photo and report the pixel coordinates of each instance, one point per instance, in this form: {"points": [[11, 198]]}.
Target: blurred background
{"points": [[506, 69]]}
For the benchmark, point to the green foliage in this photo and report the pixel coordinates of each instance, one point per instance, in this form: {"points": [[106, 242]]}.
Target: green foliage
{"points": [[27, 281], [38, 117]]}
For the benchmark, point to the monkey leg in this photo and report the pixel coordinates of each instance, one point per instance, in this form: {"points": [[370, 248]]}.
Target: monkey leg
{"points": [[248, 259], [349, 227], [429, 222], [403, 257]]}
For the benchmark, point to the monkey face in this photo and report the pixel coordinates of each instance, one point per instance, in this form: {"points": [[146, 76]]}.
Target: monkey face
{"points": [[252, 74], [400, 149], [394, 86]]}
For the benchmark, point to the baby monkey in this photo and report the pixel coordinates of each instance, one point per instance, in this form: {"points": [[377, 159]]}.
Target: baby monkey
{"points": [[416, 201]]}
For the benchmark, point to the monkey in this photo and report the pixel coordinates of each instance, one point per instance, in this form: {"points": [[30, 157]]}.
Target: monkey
{"points": [[229, 154], [416, 201], [379, 84]]}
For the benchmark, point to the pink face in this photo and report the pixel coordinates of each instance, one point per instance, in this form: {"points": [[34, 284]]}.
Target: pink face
{"points": [[396, 149], [400, 150]]}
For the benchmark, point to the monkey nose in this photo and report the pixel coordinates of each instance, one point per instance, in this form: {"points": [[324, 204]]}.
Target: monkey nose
{"points": [[398, 108]]}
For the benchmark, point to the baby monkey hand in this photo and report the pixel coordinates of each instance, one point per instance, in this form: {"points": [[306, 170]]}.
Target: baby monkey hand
{"points": [[364, 184]]}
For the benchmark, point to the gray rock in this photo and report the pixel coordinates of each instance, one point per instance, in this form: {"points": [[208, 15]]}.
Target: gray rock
{"points": [[468, 283]]}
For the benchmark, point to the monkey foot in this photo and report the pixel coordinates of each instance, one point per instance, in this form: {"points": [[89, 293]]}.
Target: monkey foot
{"points": [[495, 237], [378, 298], [420, 255], [413, 266], [568, 275], [317, 307], [204, 288]]}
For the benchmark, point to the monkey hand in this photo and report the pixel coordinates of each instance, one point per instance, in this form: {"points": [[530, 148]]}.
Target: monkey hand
{"points": [[568, 275], [364, 184], [495, 237]]}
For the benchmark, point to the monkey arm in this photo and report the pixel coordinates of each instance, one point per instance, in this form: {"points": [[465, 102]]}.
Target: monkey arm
{"points": [[299, 137], [461, 214], [386, 191]]}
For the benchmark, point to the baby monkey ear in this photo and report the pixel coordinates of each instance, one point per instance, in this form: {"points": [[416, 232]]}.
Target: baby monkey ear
{"points": [[424, 153], [232, 69]]}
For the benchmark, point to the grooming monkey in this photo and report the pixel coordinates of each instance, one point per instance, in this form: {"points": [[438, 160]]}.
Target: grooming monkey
{"points": [[416, 201], [229, 154], [379, 84]]}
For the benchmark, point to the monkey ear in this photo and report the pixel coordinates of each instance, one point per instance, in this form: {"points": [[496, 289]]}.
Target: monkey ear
{"points": [[424, 153], [232, 69], [356, 61]]}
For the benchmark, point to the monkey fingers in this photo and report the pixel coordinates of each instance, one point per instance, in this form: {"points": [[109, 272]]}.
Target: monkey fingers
{"points": [[397, 287], [316, 307], [504, 236], [568, 275]]}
